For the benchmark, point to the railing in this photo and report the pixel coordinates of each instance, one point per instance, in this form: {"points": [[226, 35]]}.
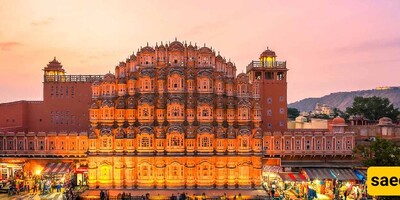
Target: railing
{"points": [[72, 78], [259, 64]]}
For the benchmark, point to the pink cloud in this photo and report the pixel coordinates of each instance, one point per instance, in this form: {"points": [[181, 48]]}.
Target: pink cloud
{"points": [[43, 22], [7, 46]]}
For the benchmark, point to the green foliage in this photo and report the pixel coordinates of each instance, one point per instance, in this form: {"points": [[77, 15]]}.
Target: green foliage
{"points": [[373, 108], [338, 112], [380, 152], [293, 113], [321, 116]]}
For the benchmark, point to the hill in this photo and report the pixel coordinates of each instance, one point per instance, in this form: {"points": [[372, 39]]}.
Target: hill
{"points": [[342, 100]]}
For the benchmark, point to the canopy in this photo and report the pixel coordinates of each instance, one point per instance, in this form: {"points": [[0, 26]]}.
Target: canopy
{"points": [[318, 173], [345, 174], [290, 176], [54, 168]]}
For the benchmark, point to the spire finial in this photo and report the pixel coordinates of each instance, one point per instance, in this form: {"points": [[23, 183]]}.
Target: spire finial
{"points": [[55, 58], [267, 47], [218, 52], [175, 38], [204, 44], [147, 44]]}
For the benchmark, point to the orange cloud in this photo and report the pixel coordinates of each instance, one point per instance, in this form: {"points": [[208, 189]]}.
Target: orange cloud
{"points": [[43, 22], [7, 46]]}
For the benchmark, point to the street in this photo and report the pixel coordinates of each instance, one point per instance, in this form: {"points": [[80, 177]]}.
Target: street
{"points": [[55, 196]]}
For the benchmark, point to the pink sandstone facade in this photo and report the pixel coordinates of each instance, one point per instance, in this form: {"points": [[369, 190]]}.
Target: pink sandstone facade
{"points": [[171, 116]]}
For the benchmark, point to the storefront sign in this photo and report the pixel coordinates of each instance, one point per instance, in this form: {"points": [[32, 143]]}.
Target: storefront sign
{"points": [[383, 181]]}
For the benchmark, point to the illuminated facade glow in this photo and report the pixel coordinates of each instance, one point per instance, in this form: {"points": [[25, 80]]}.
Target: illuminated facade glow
{"points": [[175, 116]]}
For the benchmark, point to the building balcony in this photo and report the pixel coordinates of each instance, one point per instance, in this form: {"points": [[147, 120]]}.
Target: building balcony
{"points": [[72, 78], [270, 65]]}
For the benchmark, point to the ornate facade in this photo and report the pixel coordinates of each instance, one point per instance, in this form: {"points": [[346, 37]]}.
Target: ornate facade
{"points": [[175, 116]]}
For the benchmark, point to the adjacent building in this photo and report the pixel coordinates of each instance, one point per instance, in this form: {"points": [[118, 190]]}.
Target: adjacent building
{"points": [[171, 116]]}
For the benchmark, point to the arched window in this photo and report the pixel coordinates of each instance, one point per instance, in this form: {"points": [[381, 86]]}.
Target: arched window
{"points": [[146, 142], [205, 113], [175, 140], [205, 141], [205, 84]]}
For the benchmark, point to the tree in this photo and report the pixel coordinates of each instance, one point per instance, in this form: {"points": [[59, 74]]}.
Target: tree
{"points": [[293, 113], [338, 112], [321, 116], [380, 152], [373, 108]]}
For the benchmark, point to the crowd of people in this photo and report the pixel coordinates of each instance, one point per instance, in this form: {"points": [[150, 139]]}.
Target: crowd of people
{"points": [[105, 195]]}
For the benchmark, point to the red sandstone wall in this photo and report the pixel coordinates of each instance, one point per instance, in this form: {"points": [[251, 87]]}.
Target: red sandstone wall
{"points": [[13, 116], [65, 108], [274, 90]]}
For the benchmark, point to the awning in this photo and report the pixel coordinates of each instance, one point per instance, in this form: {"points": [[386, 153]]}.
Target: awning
{"points": [[81, 170], [289, 176], [274, 169], [285, 176], [361, 174], [318, 173], [297, 177], [54, 168], [344, 174]]}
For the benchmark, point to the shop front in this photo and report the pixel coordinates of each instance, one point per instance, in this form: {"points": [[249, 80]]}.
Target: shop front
{"points": [[81, 176], [333, 182], [269, 175], [292, 184], [12, 169], [56, 175]]}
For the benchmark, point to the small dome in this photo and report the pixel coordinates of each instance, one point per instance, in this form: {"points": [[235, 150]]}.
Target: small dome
{"points": [[205, 50], [147, 49], [121, 103], [268, 53], [301, 119], [385, 121], [109, 78], [241, 75], [96, 83], [54, 64], [94, 105], [176, 45], [338, 120]]}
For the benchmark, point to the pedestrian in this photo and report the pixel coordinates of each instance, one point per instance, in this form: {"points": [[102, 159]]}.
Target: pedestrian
{"points": [[204, 196], [71, 192], [240, 196], [102, 196]]}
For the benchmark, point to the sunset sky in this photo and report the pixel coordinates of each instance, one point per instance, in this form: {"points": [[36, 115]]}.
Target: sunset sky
{"points": [[329, 46]]}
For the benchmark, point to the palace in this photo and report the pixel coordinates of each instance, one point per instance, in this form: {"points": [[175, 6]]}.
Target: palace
{"points": [[171, 116], [175, 116]]}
